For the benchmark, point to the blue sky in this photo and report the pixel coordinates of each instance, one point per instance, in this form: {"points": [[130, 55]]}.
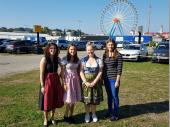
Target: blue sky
{"points": [[65, 14]]}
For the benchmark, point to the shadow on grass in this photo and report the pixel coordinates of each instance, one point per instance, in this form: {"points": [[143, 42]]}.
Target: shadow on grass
{"points": [[127, 111], [139, 109]]}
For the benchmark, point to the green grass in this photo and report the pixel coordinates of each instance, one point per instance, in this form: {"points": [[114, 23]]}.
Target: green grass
{"points": [[143, 99]]}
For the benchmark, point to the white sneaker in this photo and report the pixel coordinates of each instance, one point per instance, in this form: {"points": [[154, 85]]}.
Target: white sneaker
{"points": [[94, 117], [87, 118]]}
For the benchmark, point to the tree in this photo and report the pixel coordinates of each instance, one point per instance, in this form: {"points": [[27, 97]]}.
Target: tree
{"points": [[3, 29], [10, 29], [19, 29], [46, 30]]}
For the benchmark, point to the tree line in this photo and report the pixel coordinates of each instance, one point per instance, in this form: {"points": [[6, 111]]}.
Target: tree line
{"points": [[45, 30]]}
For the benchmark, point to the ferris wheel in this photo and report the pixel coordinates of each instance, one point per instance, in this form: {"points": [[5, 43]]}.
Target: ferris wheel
{"points": [[119, 17]]}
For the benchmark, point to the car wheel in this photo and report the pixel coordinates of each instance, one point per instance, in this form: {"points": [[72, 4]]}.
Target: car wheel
{"points": [[18, 51], [152, 61], [139, 58], [62, 47]]}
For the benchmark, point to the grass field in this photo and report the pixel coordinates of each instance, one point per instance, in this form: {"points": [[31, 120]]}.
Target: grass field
{"points": [[143, 99]]}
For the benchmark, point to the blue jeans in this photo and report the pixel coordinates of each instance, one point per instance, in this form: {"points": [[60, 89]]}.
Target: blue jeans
{"points": [[112, 96]]}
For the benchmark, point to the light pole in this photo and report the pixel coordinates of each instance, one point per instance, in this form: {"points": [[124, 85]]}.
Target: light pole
{"points": [[149, 16], [79, 21]]}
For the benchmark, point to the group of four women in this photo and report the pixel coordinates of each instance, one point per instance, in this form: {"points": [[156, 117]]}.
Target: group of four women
{"points": [[79, 80]]}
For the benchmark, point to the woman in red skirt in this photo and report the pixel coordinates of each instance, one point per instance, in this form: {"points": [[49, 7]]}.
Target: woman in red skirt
{"points": [[51, 92]]}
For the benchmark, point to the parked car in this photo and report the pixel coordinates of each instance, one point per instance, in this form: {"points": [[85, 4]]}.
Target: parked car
{"points": [[2, 47], [33, 38], [62, 44], [97, 45], [24, 46], [122, 44], [2, 39], [81, 45], [3, 44], [161, 53], [134, 52]]}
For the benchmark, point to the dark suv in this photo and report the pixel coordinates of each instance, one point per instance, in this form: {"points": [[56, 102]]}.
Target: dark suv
{"points": [[161, 53], [24, 46]]}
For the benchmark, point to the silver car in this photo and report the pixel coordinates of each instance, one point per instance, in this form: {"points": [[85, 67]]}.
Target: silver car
{"points": [[134, 52]]}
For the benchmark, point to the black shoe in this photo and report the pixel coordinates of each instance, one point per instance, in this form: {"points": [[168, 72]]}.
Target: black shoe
{"points": [[107, 115], [66, 119], [71, 119], [114, 118]]}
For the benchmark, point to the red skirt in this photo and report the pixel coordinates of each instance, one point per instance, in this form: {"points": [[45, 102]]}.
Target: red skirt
{"points": [[53, 93]]}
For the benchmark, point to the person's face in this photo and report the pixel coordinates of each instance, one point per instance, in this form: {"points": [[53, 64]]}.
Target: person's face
{"points": [[90, 51], [72, 50], [52, 50], [110, 46]]}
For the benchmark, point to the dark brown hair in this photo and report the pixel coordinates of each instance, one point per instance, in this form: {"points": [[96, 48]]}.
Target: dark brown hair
{"points": [[114, 50], [75, 57], [47, 53]]}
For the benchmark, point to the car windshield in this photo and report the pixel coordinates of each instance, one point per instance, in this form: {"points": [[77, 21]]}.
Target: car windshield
{"points": [[162, 47], [132, 47], [119, 42]]}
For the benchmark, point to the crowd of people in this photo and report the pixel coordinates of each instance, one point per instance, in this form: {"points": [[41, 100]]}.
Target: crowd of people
{"points": [[79, 80]]}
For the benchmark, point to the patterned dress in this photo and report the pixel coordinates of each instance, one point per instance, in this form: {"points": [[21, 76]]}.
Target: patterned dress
{"points": [[72, 79], [92, 95], [53, 91]]}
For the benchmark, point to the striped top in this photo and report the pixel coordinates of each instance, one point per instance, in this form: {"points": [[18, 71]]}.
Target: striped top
{"points": [[112, 67]]}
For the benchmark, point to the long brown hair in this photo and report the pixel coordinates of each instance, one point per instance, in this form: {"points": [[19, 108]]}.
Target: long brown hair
{"points": [[47, 53], [75, 57], [114, 50]]}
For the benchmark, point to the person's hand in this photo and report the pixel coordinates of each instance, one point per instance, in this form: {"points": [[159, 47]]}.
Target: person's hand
{"points": [[92, 84], [87, 84], [42, 89], [65, 87], [117, 84]]}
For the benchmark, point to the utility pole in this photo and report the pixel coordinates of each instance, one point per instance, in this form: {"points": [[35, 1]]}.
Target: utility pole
{"points": [[79, 21], [149, 16]]}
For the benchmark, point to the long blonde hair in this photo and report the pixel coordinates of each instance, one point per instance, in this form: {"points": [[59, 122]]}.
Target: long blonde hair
{"points": [[89, 43]]}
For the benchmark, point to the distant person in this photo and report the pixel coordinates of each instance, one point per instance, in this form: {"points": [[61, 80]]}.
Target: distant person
{"points": [[112, 71], [51, 92], [71, 80], [90, 72]]}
